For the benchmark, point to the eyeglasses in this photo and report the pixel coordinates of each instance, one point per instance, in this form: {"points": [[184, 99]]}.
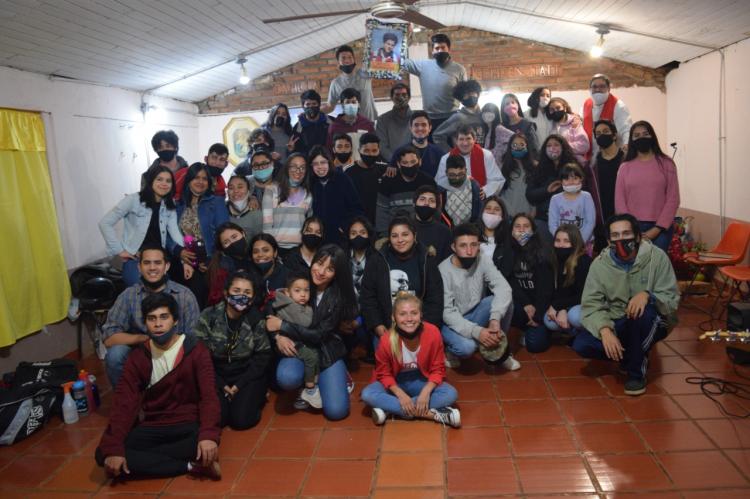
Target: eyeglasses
{"points": [[261, 166], [297, 169]]}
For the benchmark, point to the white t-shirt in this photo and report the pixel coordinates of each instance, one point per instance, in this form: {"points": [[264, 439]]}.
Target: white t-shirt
{"points": [[162, 361], [409, 358]]}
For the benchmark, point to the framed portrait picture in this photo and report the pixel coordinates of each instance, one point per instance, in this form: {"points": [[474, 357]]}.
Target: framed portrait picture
{"points": [[385, 48], [235, 134]]}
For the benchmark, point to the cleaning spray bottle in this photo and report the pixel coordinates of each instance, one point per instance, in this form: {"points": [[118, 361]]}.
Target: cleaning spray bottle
{"points": [[69, 408]]}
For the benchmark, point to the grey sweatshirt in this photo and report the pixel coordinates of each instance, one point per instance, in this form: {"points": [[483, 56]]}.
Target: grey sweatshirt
{"points": [[464, 289], [437, 85], [290, 311]]}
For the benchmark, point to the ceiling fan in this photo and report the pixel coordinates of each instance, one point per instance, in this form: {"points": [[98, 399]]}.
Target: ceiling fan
{"points": [[383, 9]]}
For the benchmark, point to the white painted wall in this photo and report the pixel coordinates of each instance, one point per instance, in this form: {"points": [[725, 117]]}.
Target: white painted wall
{"points": [[693, 114], [98, 145]]}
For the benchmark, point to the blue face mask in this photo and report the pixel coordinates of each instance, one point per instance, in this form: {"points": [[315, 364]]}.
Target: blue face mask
{"points": [[238, 302], [263, 175], [294, 183], [518, 153]]}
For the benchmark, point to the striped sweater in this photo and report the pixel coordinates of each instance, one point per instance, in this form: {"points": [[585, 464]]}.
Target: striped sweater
{"points": [[283, 220]]}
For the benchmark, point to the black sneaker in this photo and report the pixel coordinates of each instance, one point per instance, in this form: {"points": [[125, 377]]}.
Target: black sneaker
{"points": [[447, 415], [300, 404], [635, 386]]}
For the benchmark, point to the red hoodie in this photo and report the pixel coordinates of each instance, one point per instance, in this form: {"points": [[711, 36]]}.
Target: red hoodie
{"points": [[186, 394], [430, 359]]}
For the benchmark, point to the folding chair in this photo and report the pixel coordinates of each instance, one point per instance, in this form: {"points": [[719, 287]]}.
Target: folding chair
{"points": [[737, 274]]}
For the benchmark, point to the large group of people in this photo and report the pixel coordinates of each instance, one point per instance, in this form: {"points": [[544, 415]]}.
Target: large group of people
{"points": [[421, 236]]}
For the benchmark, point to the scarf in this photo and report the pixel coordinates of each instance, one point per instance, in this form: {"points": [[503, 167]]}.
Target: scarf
{"points": [[476, 159], [608, 113]]}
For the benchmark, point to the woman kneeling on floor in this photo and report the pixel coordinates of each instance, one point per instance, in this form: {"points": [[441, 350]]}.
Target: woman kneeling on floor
{"points": [[409, 370]]}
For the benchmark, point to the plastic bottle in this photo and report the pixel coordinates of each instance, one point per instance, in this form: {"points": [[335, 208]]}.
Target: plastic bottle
{"points": [[84, 376], [79, 395], [95, 391], [69, 409]]}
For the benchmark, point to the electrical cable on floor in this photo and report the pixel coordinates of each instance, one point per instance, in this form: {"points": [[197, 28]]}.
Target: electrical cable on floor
{"points": [[716, 387]]}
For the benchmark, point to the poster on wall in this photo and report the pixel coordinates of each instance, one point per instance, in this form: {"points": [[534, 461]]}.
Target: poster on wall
{"points": [[235, 134], [385, 48]]}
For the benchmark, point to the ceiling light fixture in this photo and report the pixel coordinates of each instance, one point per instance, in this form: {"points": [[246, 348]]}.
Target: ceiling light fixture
{"points": [[244, 78], [598, 49]]}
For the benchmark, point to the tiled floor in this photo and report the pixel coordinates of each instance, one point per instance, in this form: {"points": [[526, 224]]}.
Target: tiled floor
{"points": [[559, 426]]}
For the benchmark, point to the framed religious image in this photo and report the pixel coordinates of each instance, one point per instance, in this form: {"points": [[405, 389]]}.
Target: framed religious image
{"points": [[235, 134], [385, 48]]}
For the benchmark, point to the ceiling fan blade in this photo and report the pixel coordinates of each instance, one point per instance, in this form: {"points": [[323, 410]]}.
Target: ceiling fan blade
{"points": [[409, 2], [313, 16], [415, 17]]}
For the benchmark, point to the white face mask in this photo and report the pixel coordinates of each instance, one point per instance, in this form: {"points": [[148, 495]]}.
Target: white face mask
{"points": [[543, 102], [488, 117], [572, 189], [600, 98], [491, 220]]}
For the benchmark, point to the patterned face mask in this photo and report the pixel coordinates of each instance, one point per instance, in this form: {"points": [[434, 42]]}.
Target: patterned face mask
{"points": [[239, 302]]}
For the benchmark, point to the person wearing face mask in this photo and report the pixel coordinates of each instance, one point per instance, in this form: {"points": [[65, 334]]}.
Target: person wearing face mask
{"points": [[351, 77], [234, 332], [343, 152], [350, 121], [629, 302], [566, 125], [470, 114], [264, 253], [279, 125], [602, 105], [408, 381], [602, 175], [259, 140], [647, 185], [572, 266], [532, 281], [335, 198], [463, 198], [312, 125], [537, 112], [573, 206], [367, 173], [477, 300], [125, 328], [166, 144], [397, 193], [513, 119], [518, 163], [217, 161], [298, 260], [420, 128], [431, 232], [232, 254], [393, 126], [165, 418], [438, 77], [493, 227], [244, 209], [287, 203]]}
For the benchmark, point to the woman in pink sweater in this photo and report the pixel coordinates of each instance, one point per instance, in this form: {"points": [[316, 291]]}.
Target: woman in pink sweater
{"points": [[567, 125], [647, 185]]}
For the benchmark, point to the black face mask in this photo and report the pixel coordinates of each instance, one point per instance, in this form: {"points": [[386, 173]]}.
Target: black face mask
{"points": [[419, 140], [215, 171], [441, 58], [262, 146], [466, 261], [264, 266], [470, 101], [556, 115], [409, 336], [312, 241], [343, 157], [153, 286], [237, 250], [279, 121], [604, 141], [347, 68], [424, 212], [409, 172], [167, 155], [563, 254], [643, 144], [164, 338], [625, 249], [359, 243], [368, 159], [311, 112]]}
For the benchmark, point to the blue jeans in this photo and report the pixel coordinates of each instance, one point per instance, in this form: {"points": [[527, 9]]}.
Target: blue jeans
{"points": [[574, 320], [114, 361], [536, 337], [130, 272], [664, 238], [460, 345], [412, 382], [290, 374], [637, 336]]}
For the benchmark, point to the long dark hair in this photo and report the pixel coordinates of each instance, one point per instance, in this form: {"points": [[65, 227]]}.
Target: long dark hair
{"points": [[147, 194], [533, 252], [316, 151], [502, 230], [579, 249], [490, 129], [282, 177], [504, 117], [546, 167], [214, 265], [533, 101], [287, 126], [342, 286], [510, 164], [656, 148], [192, 172], [368, 227], [262, 236]]}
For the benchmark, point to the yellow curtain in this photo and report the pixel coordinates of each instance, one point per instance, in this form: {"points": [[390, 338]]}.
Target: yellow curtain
{"points": [[34, 286]]}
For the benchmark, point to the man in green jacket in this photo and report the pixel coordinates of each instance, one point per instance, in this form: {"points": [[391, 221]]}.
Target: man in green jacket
{"points": [[629, 302]]}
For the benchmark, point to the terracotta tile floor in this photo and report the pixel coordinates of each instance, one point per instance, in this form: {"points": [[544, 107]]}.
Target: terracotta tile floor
{"points": [[560, 426]]}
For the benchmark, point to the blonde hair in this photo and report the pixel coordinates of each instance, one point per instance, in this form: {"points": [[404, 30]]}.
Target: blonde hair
{"points": [[395, 339]]}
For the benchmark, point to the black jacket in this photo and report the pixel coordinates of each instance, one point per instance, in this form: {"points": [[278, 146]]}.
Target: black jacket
{"points": [[536, 193], [541, 275], [375, 300], [566, 297]]}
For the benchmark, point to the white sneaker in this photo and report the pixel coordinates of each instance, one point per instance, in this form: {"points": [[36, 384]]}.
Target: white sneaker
{"points": [[451, 361], [312, 397], [447, 415], [378, 416], [511, 364]]}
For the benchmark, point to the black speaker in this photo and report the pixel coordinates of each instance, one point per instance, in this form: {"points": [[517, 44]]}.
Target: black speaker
{"points": [[738, 316]]}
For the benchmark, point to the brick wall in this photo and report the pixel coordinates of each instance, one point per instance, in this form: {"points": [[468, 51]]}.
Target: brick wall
{"points": [[514, 64]]}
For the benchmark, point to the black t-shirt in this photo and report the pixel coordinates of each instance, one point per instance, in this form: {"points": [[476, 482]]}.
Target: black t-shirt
{"points": [[606, 170], [366, 181], [405, 274], [153, 234]]}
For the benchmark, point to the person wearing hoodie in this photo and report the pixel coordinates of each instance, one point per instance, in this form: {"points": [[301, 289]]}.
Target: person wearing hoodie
{"points": [[279, 125], [467, 92], [629, 301], [351, 121], [400, 264], [358, 80], [565, 124], [334, 196], [312, 125], [431, 232]]}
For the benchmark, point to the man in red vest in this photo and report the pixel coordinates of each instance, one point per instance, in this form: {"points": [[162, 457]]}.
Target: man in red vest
{"points": [[602, 105]]}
